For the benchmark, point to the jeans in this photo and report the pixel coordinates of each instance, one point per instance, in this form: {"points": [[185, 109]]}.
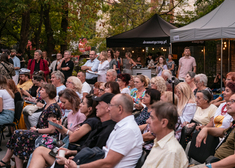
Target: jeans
{"points": [[6, 116]]}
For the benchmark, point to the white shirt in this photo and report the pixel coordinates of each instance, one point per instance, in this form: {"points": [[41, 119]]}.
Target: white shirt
{"points": [[127, 140], [58, 89], [86, 88], [167, 152], [7, 100]]}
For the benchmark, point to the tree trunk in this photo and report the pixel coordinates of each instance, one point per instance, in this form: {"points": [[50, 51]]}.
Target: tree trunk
{"points": [[64, 27], [38, 31], [49, 33], [24, 33]]}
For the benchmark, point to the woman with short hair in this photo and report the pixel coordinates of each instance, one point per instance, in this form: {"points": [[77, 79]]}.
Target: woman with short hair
{"points": [[158, 83], [112, 87], [200, 81], [75, 84], [123, 82]]}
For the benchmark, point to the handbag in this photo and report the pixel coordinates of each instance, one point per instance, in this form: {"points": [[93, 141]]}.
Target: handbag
{"points": [[30, 109]]}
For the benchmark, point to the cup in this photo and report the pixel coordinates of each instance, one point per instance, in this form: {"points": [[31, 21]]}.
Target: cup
{"points": [[62, 153]]}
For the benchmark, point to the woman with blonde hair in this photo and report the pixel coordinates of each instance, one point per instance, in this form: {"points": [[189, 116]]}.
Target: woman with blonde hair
{"points": [[75, 84], [186, 106], [167, 96], [140, 84], [103, 67], [158, 83]]}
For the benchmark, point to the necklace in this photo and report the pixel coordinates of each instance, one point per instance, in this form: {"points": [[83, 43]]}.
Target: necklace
{"points": [[223, 111]]}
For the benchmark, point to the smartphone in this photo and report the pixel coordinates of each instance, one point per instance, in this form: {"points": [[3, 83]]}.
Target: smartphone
{"points": [[54, 124], [53, 152]]}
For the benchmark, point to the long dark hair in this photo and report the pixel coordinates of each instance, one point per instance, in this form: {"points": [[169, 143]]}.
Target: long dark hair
{"points": [[111, 51], [93, 104]]}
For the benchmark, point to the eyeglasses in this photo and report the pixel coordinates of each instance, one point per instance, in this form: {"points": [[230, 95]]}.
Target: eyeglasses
{"points": [[69, 82], [101, 90], [230, 101]]}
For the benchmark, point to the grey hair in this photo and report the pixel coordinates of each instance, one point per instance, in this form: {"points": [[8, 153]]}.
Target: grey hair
{"points": [[114, 73], [59, 75], [202, 78], [167, 73], [67, 51], [191, 74], [39, 52]]}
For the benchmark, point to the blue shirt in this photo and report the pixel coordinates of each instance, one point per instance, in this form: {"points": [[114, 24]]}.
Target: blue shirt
{"points": [[16, 62], [94, 67]]}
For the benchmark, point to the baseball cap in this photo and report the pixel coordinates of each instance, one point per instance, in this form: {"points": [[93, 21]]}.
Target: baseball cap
{"points": [[105, 98], [13, 50], [24, 71]]}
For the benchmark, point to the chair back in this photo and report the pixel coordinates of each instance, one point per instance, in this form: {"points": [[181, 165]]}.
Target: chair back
{"points": [[18, 110], [141, 159]]}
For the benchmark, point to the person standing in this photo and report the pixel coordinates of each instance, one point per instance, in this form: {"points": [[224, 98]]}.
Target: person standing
{"points": [[186, 64], [91, 66], [6, 68], [66, 65], [16, 63], [119, 61], [103, 67], [161, 65], [55, 63], [38, 64], [171, 64]]}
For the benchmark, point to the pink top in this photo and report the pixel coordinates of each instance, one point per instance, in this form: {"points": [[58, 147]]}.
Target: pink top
{"points": [[74, 120], [186, 64]]}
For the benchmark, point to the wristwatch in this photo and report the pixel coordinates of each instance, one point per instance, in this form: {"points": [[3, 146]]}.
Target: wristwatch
{"points": [[37, 130], [78, 166], [208, 165]]}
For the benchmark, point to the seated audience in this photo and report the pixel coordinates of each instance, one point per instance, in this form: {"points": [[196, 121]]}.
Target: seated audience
{"points": [[151, 96], [166, 152], [75, 84], [85, 86], [57, 79], [166, 74], [112, 87], [123, 81], [124, 145], [140, 84], [96, 88], [131, 86], [224, 155], [167, 96], [22, 142], [25, 82], [97, 137], [189, 79], [158, 83], [101, 89], [111, 75], [186, 106], [200, 81]]}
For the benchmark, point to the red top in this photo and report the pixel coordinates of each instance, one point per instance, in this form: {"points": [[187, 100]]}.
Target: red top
{"points": [[42, 65]]}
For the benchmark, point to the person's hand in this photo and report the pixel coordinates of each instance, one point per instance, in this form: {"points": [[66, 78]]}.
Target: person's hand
{"points": [[60, 160], [201, 137], [33, 128], [198, 128], [69, 163]]}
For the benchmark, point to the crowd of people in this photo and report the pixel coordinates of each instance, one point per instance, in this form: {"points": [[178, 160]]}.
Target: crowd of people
{"points": [[107, 107]]}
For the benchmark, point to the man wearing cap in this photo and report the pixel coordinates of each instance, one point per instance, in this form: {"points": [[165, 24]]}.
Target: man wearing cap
{"points": [[124, 145], [97, 137], [16, 63], [38, 64], [25, 82]]}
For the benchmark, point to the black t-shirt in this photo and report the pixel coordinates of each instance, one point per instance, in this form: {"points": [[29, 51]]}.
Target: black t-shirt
{"points": [[100, 135], [37, 66], [68, 73], [17, 97], [93, 122]]}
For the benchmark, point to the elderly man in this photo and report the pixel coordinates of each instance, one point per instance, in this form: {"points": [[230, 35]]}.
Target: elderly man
{"points": [[16, 63], [66, 65], [25, 82], [91, 66], [57, 79], [166, 152], [85, 86], [97, 137], [111, 75], [55, 63], [224, 155], [38, 64], [124, 145]]}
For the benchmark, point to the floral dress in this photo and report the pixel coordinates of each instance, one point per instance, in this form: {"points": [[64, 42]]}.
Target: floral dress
{"points": [[137, 98], [142, 118], [22, 142]]}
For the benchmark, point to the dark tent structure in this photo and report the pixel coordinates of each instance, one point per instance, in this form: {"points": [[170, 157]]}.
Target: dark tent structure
{"points": [[153, 32]]}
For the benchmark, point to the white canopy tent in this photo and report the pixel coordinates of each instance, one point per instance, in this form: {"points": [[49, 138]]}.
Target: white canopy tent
{"points": [[218, 24]]}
